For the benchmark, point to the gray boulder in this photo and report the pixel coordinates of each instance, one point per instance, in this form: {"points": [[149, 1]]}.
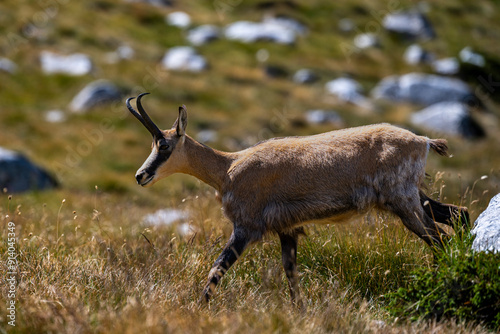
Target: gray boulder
{"points": [[348, 90], [319, 116], [8, 66], [487, 228], [184, 58], [18, 174], [203, 34], [446, 66], [449, 118], [366, 41], [415, 55], [279, 30], [94, 94], [178, 19], [75, 64], [304, 76], [411, 24], [424, 89], [466, 55]]}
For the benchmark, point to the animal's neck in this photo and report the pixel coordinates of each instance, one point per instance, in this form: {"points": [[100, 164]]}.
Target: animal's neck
{"points": [[207, 164]]}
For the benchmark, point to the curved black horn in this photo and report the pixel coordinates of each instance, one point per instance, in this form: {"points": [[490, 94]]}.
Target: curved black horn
{"points": [[155, 131], [143, 116]]}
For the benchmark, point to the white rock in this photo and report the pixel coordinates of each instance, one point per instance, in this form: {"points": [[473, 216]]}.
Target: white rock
{"points": [[365, 41], [415, 55], [412, 24], [446, 66], [178, 19], [8, 66], [487, 228], [123, 52], [304, 76], [348, 90], [273, 29], [165, 217], [319, 116], [184, 58], [469, 56], [203, 34], [346, 25], [55, 116], [74, 64]]}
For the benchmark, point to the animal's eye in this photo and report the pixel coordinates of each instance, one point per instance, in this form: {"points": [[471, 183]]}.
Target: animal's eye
{"points": [[163, 147]]}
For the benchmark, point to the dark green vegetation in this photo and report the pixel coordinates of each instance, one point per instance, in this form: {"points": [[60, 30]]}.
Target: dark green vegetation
{"points": [[91, 265], [461, 284]]}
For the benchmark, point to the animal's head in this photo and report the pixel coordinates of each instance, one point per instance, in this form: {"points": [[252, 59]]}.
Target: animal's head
{"points": [[167, 156]]}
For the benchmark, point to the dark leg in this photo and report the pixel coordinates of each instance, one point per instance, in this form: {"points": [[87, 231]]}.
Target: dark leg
{"points": [[289, 259], [444, 213], [231, 252], [414, 218]]}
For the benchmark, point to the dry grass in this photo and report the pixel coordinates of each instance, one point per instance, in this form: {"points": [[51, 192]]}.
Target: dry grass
{"points": [[100, 269], [86, 265]]}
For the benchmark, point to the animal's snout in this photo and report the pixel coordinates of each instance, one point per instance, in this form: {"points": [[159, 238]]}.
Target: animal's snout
{"points": [[143, 178]]}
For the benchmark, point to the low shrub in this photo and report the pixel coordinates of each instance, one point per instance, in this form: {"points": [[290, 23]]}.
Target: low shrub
{"points": [[462, 285]]}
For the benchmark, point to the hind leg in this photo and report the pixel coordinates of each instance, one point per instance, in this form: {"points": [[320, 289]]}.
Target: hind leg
{"points": [[414, 218], [444, 213]]}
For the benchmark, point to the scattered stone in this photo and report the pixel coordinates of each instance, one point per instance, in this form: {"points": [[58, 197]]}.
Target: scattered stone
{"points": [[207, 136], [184, 58], [348, 90], [415, 55], [123, 52], [8, 66], [346, 25], [279, 30], [424, 89], [96, 93], [178, 19], [55, 116], [411, 24], [469, 56], [203, 34], [319, 116], [18, 174], [365, 41], [286, 22], [487, 228], [449, 118], [74, 64], [304, 76], [262, 55], [446, 66], [165, 217], [168, 217], [157, 3]]}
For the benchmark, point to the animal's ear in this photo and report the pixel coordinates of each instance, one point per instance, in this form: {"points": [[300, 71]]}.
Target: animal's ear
{"points": [[181, 122]]}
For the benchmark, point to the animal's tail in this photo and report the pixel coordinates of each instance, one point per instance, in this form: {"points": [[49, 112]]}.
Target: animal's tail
{"points": [[439, 145]]}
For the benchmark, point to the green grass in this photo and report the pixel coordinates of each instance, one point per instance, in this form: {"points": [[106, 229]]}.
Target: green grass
{"points": [[85, 265]]}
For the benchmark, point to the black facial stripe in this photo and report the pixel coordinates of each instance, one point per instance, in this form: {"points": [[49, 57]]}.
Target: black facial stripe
{"points": [[161, 157]]}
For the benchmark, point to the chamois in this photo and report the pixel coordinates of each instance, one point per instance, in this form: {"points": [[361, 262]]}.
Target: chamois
{"points": [[281, 184]]}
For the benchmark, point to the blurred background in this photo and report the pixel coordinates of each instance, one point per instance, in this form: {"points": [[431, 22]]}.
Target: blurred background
{"points": [[247, 71]]}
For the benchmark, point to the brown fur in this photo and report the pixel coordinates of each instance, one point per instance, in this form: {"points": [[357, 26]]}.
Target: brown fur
{"points": [[281, 184]]}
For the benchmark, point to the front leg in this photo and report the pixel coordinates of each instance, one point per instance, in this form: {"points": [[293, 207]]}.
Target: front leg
{"points": [[231, 252]]}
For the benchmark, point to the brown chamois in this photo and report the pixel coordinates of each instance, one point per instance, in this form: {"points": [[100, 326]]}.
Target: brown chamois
{"points": [[281, 184]]}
